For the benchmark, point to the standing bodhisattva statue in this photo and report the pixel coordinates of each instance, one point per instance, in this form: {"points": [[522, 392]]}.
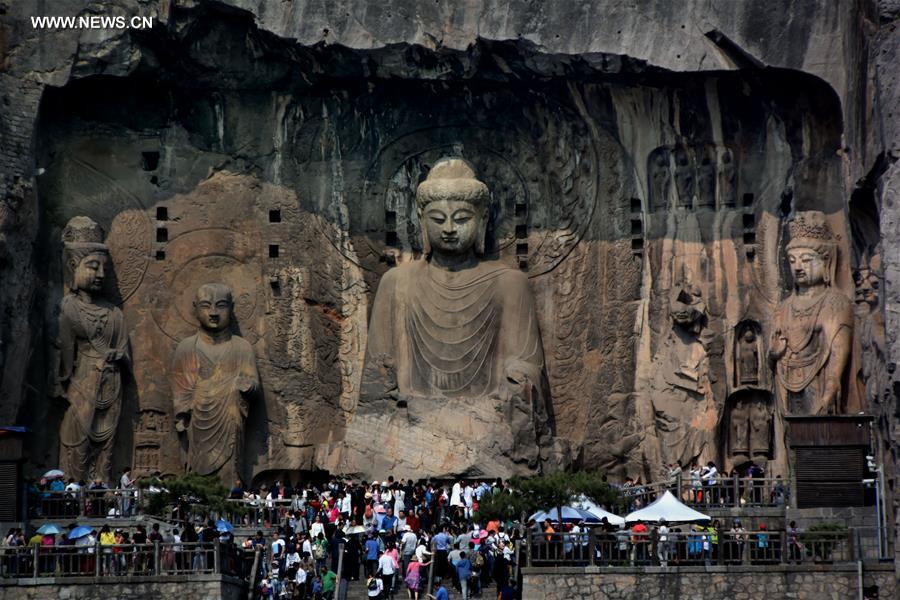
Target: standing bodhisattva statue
{"points": [[213, 378], [454, 379], [812, 333], [93, 350]]}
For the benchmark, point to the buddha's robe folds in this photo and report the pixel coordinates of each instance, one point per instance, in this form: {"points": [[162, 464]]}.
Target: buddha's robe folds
{"points": [[92, 345], [812, 333], [205, 384], [454, 380]]}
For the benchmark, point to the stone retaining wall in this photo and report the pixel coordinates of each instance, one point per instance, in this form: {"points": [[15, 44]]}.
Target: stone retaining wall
{"points": [[195, 587], [820, 582]]}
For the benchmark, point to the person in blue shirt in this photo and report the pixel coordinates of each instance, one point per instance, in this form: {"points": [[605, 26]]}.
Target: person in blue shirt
{"points": [[388, 521], [440, 592], [464, 572], [372, 549], [442, 543]]}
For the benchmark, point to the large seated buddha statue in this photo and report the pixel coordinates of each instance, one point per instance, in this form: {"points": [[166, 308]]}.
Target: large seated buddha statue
{"points": [[454, 380]]}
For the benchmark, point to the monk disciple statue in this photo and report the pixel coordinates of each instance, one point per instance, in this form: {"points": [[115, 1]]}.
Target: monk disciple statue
{"points": [[813, 328], [454, 379], [213, 379], [93, 351]]}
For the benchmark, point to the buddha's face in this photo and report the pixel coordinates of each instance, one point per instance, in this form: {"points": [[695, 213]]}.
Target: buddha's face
{"points": [[90, 272], [213, 307], [452, 226], [807, 266]]}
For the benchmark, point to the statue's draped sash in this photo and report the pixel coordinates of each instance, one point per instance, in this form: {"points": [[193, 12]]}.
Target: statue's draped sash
{"points": [[92, 340]]}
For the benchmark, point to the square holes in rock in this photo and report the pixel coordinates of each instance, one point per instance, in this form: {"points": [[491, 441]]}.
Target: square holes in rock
{"points": [[391, 239], [150, 160], [637, 228], [521, 210], [160, 255], [749, 238], [748, 199], [749, 220], [162, 213], [162, 234], [522, 231], [637, 244], [276, 287], [273, 250], [635, 205], [274, 215], [390, 219], [522, 249]]}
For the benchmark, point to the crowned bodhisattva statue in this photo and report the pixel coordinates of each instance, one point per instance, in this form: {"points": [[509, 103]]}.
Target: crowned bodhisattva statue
{"points": [[214, 378], [812, 334], [93, 351], [454, 378]]}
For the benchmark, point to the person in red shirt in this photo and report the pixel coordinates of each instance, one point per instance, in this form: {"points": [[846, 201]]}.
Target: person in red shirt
{"points": [[639, 540]]}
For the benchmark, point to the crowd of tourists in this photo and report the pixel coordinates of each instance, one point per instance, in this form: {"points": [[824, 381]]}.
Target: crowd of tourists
{"points": [[392, 536]]}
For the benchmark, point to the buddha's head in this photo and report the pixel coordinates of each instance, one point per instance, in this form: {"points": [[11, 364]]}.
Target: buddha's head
{"points": [[453, 207], [811, 251], [86, 256], [213, 306]]}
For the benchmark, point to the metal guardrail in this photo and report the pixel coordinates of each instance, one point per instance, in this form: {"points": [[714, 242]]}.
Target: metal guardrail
{"points": [[685, 548], [724, 492], [99, 503], [126, 560]]}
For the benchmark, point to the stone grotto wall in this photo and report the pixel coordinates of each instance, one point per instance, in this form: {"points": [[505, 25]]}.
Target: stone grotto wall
{"points": [[641, 159]]}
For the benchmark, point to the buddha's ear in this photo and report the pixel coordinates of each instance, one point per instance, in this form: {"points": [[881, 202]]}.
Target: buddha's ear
{"points": [[482, 232], [426, 243]]}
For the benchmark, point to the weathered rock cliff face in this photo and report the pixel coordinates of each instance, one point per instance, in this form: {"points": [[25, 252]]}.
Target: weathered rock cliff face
{"points": [[642, 158]]}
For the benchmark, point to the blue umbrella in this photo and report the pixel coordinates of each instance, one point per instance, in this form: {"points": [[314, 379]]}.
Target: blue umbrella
{"points": [[49, 528], [223, 525], [80, 532]]}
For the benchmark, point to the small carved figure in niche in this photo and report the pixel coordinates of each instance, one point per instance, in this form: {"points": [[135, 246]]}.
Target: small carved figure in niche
{"points": [[750, 430], [454, 352], [214, 378], [660, 179], [706, 176], [812, 332], [727, 187], [685, 178], [748, 358], [93, 351]]}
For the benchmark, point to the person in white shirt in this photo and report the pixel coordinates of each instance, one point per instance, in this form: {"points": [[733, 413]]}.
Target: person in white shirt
{"points": [[386, 569], [422, 551], [456, 494], [125, 483], [468, 497], [374, 587], [316, 528], [709, 478], [663, 543]]}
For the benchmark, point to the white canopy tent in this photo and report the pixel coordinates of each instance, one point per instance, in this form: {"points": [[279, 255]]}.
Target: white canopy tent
{"points": [[669, 508], [585, 504]]}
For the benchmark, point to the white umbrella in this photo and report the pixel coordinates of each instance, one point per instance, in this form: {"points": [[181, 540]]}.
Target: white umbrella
{"points": [[598, 512], [54, 474], [569, 515], [669, 508]]}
